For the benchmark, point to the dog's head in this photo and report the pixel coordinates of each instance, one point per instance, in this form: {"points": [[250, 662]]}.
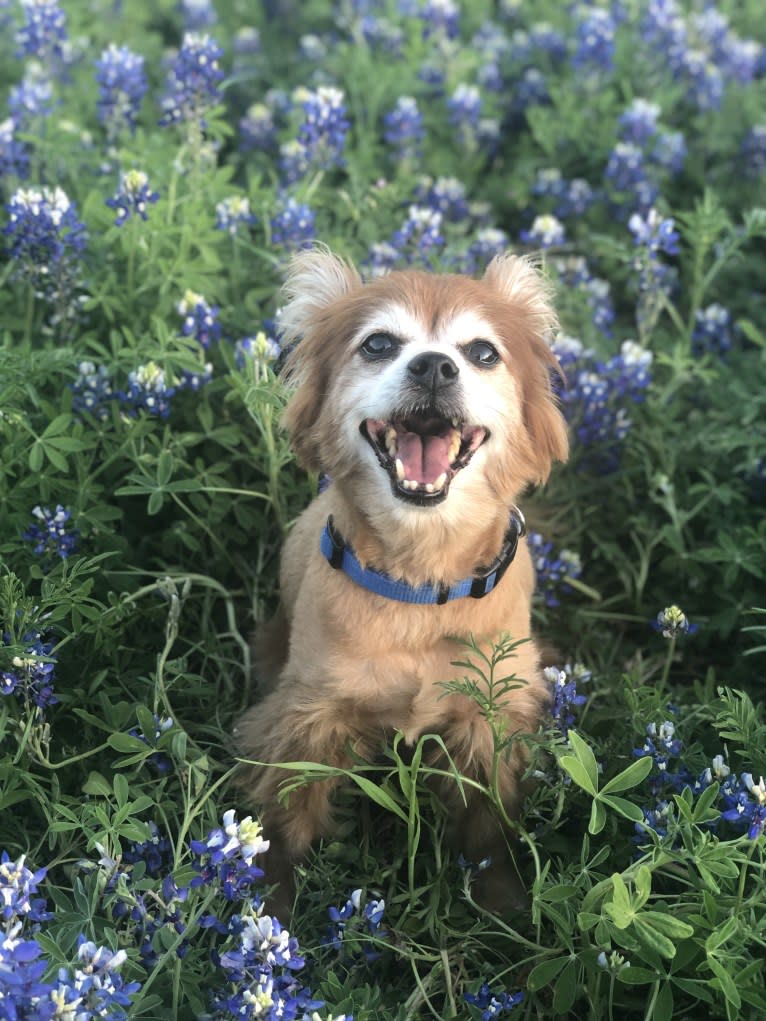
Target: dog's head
{"points": [[422, 390]]}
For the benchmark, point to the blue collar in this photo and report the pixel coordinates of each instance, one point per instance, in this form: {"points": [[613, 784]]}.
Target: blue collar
{"points": [[342, 557]]}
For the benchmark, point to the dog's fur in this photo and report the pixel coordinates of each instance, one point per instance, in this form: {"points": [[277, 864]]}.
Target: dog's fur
{"points": [[358, 666]]}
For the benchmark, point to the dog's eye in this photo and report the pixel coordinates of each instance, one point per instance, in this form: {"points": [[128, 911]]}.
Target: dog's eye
{"points": [[482, 353], [379, 345]]}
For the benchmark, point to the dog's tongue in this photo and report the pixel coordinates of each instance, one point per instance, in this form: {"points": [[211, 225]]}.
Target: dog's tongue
{"points": [[425, 458]]}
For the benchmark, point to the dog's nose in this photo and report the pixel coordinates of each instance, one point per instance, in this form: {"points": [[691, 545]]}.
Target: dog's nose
{"points": [[433, 371]]}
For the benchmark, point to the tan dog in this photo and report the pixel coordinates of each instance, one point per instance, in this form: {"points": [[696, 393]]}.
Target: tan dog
{"points": [[427, 399]]}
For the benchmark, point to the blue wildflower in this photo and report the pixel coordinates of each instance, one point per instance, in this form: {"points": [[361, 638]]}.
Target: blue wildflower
{"points": [[552, 569], [654, 233], [292, 226], [43, 34], [225, 858], [669, 152], [673, 622], [754, 151], [638, 123], [18, 886], [712, 330], [491, 1004], [546, 232], [351, 926], [594, 39], [45, 235], [662, 744], [324, 128], [148, 390], [192, 87], [381, 34], [30, 99], [403, 127], [53, 536], [445, 195], [121, 87], [261, 349], [162, 725], [200, 320], [233, 213], [132, 196], [563, 682], [420, 235], [31, 675], [257, 128], [14, 161], [197, 14], [441, 17], [92, 390]]}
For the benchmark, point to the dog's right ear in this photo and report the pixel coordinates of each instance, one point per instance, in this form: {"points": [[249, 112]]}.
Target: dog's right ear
{"points": [[316, 279]]}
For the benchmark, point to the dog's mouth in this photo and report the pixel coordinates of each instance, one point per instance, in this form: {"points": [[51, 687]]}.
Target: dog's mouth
{"points": [[422, 452]]}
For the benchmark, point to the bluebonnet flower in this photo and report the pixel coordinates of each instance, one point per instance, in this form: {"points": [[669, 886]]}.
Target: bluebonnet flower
{"points": [[382, 257], [261, 349], [43, 33], [654, 233], [746, 807], [312, 48], [754, 151], [294, 161], [673, 622], [155, 853], [92, 390], [563, 682], [712, 330], [440, 16], [261, 961], [97, 981], [233, 213], [381, 34], [594, 400], [18, 886], [195, 379], [292, 226], [403, 127], [161, 726], [149, 390], [432, 73], [574, 273], [669, 152], [446, 195], [30, 99], [122, 85], [324, 128], [132, 197], [546, 232], [197, 14], [352, 925], [31, 675], [553, 570], [192, 87], [257, 128], [613, 964], [594, 38], [226, 857], [46, 237], [491, 1004], [465, 108], [626, 174], [546, 39], [488, 242], [662, 744], [200, 320], [14, 161], [706, 85], [638, 123], [420, 235], [54, 536], [655, 819]]}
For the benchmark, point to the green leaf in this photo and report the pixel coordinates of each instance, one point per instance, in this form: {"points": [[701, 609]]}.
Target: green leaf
{"points": [[35, 459], [156, 500], [164, 467], [635, 774], [622, 806], [127, 743], [585, 754], [653, 939], [721, 935], [663, 1005], [636, 976], [725, 981], [578, 773], [545, 972], [566, 989], [668, 924], [597, 818], [97, 784]]}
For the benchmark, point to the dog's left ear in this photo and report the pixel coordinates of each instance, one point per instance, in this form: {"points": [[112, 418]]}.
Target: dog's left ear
{"points": [[316, 279], [531, 312]]}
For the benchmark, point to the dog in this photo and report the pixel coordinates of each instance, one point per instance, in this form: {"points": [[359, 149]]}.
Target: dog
{"points": [[428, 399]]}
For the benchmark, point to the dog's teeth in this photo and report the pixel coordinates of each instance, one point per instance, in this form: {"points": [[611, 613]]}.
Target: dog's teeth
{"points": [[391, 441], [429, 487], [399, 469], [454, 448], [454, 422], [439, 483]]}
